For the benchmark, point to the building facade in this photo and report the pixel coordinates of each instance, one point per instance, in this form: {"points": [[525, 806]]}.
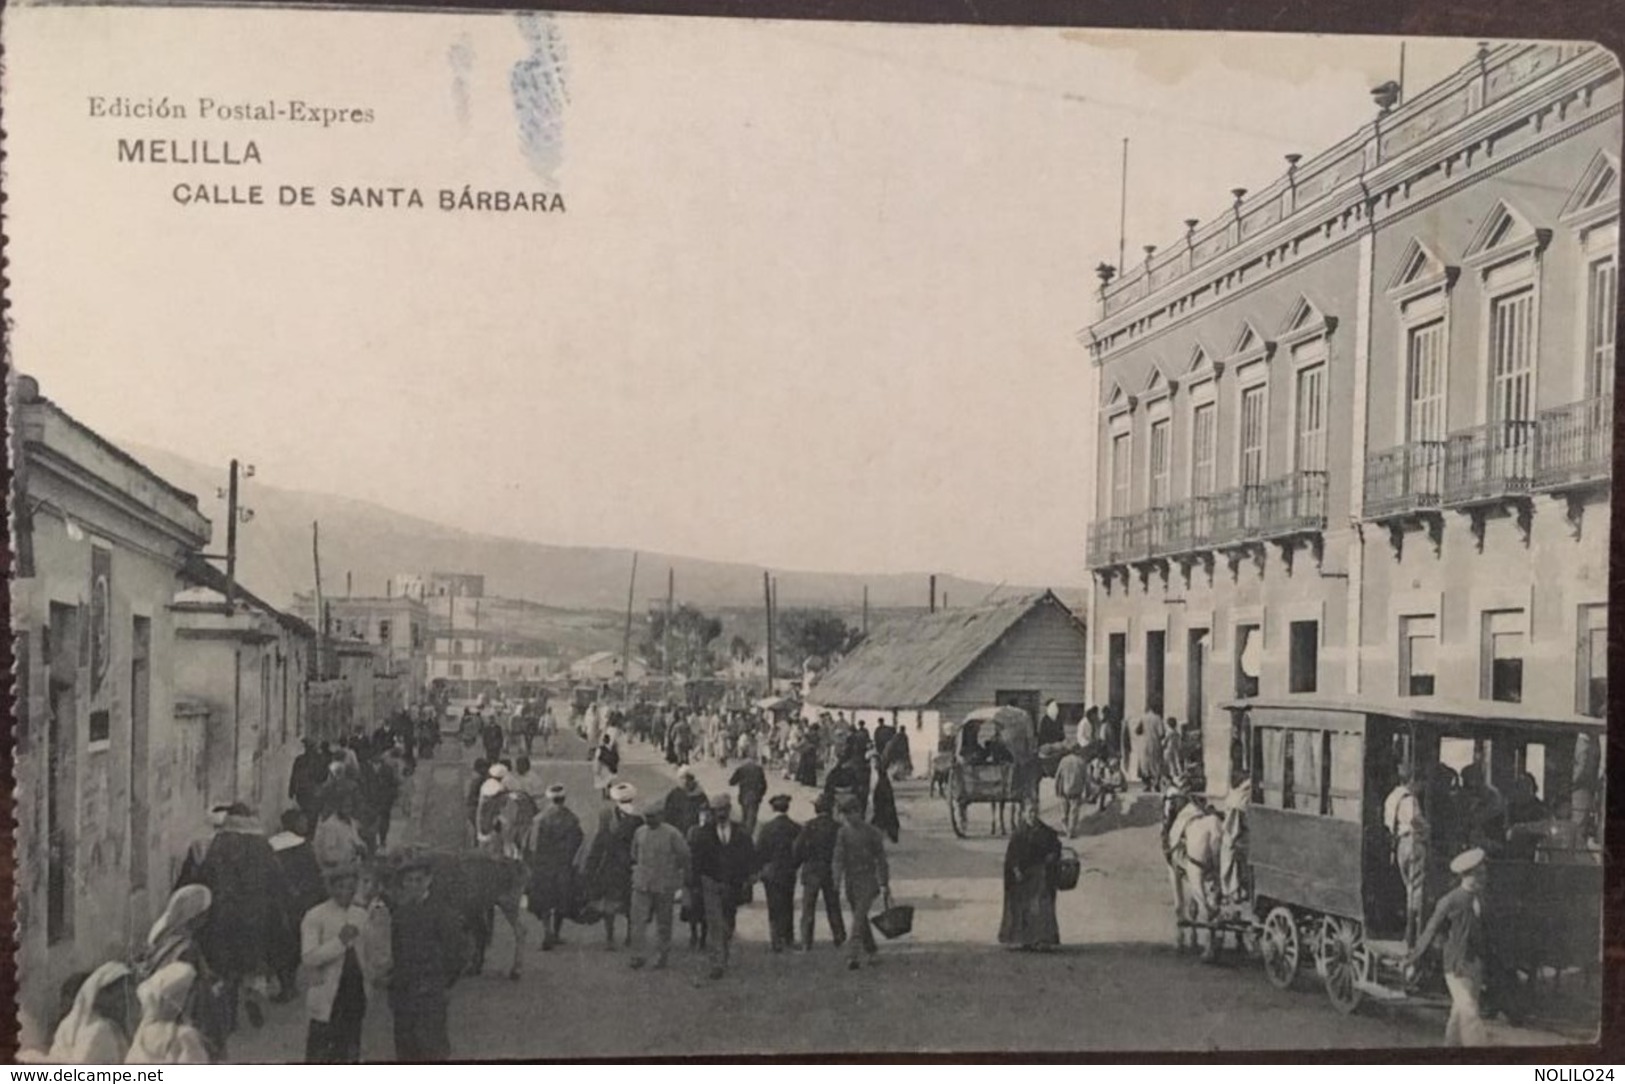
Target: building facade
{"points": [[1355, 434], [142, 697], [397, 625]]}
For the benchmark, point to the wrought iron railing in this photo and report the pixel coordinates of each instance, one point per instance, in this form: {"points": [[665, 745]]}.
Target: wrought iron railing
{"points": [[1294, 502], [1405, 478], [1108, 541], [1237, 514], [1489, 461], [1576, 443]]}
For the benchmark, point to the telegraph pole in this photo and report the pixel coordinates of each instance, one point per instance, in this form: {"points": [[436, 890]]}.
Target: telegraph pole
{"points": [[231, 538], [767, 605], [626, 641], [321, 609], [665, 629]]}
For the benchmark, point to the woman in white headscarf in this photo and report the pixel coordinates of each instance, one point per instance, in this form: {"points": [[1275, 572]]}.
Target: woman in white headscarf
{"points": [[164, 1037], [173, 939], [94, 1031]]}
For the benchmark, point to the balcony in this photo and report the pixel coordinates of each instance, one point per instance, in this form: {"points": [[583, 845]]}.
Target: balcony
{"points": [[1294, 504], [1576, 445], [1489, 463], [1108, 542], [1404, 480]]}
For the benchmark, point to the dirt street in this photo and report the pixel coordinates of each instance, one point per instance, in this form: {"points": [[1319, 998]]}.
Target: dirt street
{"points": [[1117, 984]]}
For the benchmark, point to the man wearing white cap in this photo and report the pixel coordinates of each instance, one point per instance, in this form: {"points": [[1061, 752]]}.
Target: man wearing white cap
{"points": [[1460, 914], [606, 868]]}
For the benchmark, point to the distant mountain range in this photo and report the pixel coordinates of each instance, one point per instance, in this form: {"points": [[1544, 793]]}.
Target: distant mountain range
{"points": [[367, 544]]}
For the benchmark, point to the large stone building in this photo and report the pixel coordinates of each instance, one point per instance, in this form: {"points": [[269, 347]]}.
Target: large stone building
{"points": [[396, 625], [1355, 432]]}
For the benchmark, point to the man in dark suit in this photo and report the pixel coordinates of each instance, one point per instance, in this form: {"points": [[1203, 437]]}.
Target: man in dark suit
{"points": [[775, 849], [815, 846], [723, 861]]}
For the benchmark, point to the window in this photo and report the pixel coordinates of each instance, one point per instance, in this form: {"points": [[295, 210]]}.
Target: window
{"points": [[1424, 382], [1271, 778], [1116, 672], [456, 669], [1592, 693], [1161, 467], [1249, 649], [140, 702], [1203, 461], [1252, 435], [1303, 752], [1511, 356], [1501, 676], [1156, 653], [1121, 450], [384, 630], [1418, 637], [1304, 660], [1344, 776], [1309, 420], [1602, 300]]}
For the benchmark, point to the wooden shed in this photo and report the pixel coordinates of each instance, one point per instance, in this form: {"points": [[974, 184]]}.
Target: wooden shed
{"points": [[936, 668]]}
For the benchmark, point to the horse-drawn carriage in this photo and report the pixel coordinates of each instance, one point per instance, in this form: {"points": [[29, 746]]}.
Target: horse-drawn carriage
{"points": [[1313, 878], [977, 777]]}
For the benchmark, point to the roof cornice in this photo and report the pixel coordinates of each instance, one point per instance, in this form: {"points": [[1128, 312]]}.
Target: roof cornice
{"points": [[1349, 207]]}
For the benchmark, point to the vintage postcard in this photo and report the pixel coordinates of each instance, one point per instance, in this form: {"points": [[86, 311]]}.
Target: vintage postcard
{"points": [[561, 536]]}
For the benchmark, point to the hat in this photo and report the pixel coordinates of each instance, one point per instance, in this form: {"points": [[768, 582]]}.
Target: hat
{"points": [[780, 802], [685, 772], [491, 788], [721, 800], [1467, 861], [556, 791], [415, 863], [822, 804], [498, 771], [622, 792], [654, 808]]}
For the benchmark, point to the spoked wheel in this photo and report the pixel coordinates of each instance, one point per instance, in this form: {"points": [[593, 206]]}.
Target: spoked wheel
{"points": [[1278, 945], [1343, 962], [957, 809]]}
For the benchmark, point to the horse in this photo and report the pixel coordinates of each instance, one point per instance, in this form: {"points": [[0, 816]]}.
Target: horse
{"points": [[473, 884], [1192, 833]]}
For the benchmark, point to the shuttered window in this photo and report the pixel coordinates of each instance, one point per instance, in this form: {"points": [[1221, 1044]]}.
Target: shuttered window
{"points": [[1203, 460], [1310, 420], [1511, 356], [1120, 475], [1161, 465], [1602, 299], [1252, 435], [1424, 382]]}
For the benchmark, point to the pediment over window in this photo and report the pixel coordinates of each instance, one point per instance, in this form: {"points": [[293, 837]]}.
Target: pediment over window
{"points": [[1158, 385], [1201, 366], [1306, 320], [1250, 345], [1505, 234], [1117, 400], [1420, 270], [1596, 198]]}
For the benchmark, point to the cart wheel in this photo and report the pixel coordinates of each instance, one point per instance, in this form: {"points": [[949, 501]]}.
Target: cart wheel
{"points": [[956, 811], [1278, 945], [1344, 962]]}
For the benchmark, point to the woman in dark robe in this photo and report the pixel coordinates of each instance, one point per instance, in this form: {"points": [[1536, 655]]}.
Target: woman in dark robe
{"points": [[555, 840], [1029, 885], [806, 761], [885, 816], [897, 760]]}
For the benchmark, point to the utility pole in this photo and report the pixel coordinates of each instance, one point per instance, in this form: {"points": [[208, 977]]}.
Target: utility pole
{"points": [[933, 593], [321, 607], [866, 609], [626, 641], [665, 630], [767, 605], [231, 538], [1122, 211]]}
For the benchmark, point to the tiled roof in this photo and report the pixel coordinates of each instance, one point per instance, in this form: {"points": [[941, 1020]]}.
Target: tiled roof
{"points": [[909, 663]]}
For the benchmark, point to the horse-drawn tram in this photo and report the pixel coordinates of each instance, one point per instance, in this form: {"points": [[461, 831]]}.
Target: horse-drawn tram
{"points": [[1335, 846]]}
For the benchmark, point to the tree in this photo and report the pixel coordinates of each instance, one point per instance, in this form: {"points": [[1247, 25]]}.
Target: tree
{"points": [[692, 633], [805, 634], [739, 649]]}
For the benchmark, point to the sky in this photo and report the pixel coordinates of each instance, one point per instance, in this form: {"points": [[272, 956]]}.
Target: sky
{"points": [[812, 302]]}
